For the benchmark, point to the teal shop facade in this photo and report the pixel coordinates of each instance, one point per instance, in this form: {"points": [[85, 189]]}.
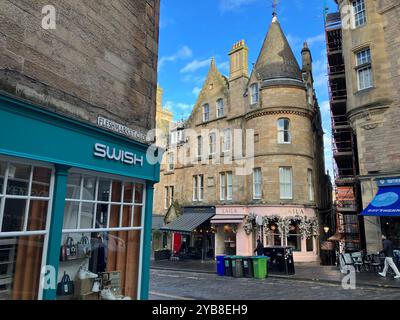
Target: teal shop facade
{"points": [[62, 178]]}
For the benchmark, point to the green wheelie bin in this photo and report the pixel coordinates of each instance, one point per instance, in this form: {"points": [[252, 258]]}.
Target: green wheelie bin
{"points": [[228, 266], [260, 267], [237, 266]]}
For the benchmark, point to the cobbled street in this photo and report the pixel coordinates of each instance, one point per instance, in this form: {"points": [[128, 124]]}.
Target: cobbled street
{"points": [[174, 285]]}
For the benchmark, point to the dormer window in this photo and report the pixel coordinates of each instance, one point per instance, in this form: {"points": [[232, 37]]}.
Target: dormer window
{"points": [[206, 112], [254, 93], [220, 108]]}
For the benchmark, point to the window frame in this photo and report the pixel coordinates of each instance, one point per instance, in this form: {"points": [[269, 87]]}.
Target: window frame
{"points": [[222, 186], [212, 144], [255, 183], [227, 137], [206, 112], [364, 63], [360, 15], [171, 160], [281, 132], [229, 186], [220, 106], [199, 147], [28, 198], [282, 183], [310, 184], [254, 94], [99, 176]]}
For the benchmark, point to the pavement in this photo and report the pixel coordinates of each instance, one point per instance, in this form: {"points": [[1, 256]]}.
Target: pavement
{"points": [[304, 272], [183, 285]]}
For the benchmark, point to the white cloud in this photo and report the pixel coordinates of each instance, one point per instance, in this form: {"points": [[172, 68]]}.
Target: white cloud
{"points": [[178, 106], [195, 65], [223, 67], [196, 91], [234, 5], [316, 39], [183, 53]]}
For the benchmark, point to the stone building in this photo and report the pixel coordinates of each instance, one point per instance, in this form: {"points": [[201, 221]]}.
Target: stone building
{"points": [[251, 163], [77, 97], [371, 50]]}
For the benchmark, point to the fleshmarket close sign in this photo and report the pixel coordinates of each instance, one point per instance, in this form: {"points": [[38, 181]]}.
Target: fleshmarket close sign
{"points": [[121, 129]]}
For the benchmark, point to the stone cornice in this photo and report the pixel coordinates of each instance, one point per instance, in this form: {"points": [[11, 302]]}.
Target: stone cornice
{"points": [[281, 110], [368, 110]]}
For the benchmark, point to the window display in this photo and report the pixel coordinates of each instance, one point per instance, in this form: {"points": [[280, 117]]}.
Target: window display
{"points": [[100, 247], [25, 192]]}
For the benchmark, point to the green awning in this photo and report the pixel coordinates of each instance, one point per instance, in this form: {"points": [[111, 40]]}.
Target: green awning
{"points": [[187, 222], [157, 222]]}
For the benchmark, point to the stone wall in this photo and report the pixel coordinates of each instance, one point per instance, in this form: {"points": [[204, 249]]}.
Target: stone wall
{"points": [[101, 59]]}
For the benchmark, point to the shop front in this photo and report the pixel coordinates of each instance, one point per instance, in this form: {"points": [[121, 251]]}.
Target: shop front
{"points": [[192, 234], [385, 207], [75, 208], [239, 227]]}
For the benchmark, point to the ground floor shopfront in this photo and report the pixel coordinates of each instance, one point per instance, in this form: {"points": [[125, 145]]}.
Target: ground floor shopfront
{"points": [[381, 200], [72, 197], [237, 229]]}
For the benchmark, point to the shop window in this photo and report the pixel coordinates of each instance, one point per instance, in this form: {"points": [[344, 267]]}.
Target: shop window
{"points": [[114, 199], [274, 237], [25, 192], [310, 244], [104, 232], [294, 236]]}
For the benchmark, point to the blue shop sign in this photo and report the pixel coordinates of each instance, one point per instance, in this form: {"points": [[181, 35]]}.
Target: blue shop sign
{"points": [[386, 203], [31, 132]]}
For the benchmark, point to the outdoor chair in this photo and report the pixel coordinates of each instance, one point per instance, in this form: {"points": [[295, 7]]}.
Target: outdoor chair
{"points": [[358, 260], [367, 262], [348, 260], [376, 263]]}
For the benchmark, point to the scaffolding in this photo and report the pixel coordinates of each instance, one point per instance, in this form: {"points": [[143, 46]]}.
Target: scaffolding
{"points": [[343, 140]]}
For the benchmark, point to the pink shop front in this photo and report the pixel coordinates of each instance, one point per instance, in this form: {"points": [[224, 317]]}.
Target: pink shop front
{"points": [[237, 229]]}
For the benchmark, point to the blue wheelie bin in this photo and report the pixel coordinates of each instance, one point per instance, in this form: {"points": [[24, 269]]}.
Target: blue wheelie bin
{"points": [[221, 265]]}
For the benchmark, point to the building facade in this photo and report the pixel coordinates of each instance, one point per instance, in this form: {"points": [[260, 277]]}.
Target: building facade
{"points": [[371, 48], [250, 164], [78, 95]]}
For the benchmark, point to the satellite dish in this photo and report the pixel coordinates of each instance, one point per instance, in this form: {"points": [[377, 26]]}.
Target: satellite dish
{"points": [[259, 220]]}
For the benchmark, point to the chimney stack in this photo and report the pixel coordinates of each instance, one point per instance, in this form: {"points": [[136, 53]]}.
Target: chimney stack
{"points": [[239, 61]]}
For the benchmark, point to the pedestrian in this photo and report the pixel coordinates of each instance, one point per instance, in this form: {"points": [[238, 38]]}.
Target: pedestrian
{"points": [[388, 252], [260, 248]]}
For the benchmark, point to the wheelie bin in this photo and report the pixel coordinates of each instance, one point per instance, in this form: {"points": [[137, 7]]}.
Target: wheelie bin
{"points": [[228, 266], [220, 265], [260, 267], [237, 266], [248, 267]]}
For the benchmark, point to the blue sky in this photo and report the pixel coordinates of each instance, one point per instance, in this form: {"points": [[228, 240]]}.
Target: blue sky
{"points": [[191, 32]]}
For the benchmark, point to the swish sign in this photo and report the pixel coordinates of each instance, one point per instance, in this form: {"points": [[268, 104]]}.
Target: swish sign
{"points": [[115, 154]]}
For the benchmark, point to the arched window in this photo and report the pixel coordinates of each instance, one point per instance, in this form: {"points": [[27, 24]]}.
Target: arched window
{"points": [[206, 112], [284, 135], [220, 108], [254, 93]]}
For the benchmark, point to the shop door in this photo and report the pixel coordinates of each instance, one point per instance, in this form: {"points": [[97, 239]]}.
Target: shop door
{"points": [[177, 242]]}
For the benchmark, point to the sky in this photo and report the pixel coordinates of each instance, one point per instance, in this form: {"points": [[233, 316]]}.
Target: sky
{"points": [[193, 31]]}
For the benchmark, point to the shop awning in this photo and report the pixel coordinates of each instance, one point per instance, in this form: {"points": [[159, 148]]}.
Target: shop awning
{"points": [[157, 222], [187, 222], [337, 237], [387, 201], [227, 218]]}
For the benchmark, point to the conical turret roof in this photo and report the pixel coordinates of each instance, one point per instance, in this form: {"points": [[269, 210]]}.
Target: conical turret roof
{"points": [[276, 59]]}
